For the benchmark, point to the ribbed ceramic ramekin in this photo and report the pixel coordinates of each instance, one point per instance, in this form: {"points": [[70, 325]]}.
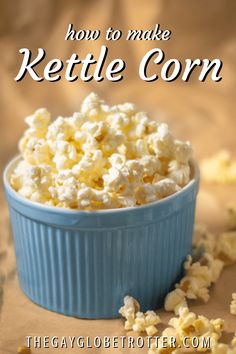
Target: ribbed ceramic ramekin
{"points": [[83, 263]]}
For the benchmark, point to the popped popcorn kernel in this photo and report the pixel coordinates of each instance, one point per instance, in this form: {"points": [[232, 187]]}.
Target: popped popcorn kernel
{"points": [[146, 322], [136, 320], [179, 172], [115, 157], [188, 324], [197, 280], [175, 300], [129, 310]]}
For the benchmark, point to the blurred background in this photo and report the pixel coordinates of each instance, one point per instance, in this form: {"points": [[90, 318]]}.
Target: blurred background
{"points": [[202, 112]]}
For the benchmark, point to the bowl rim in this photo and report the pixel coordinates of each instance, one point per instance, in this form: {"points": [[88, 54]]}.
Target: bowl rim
{"points": [[44, 208]]}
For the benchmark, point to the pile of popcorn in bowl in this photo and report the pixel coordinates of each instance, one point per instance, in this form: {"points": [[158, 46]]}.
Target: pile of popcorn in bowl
{"points": [[113, 157], [103, 157]]}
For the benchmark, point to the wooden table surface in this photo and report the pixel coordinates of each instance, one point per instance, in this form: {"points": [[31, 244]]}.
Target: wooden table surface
{"points": [[203, 113]]}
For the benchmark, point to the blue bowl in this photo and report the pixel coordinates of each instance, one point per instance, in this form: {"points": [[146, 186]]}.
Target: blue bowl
{"points": [[82, 263]]}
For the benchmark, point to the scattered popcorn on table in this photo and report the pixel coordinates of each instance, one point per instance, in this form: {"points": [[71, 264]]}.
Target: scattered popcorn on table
{"points": [[233, 305], [220, 168], [188, 324], [102, 157], [136, 320], [211, 253]]}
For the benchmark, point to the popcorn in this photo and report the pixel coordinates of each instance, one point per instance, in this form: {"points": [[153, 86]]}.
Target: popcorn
{"points": [[145, 193], [211, 254], [117, 160], [195, 283], [77, 120], [115, 180], [175, 300], [38, 125], [179, 172], [141, 148], [136, 320], [67, 192], [129, 310], [118, 121], [101, 157], [220, 168], [90, 168], [166, 187], [39, 120], [150, 165], [92, 106], [233, 305], [197, 280], [146, 322], [162, 142], [126, 202], [37, 151], [32, 181], [128, 108], [188, 324], [183, 151], [65, 155], [60, 129], [93, 199]]}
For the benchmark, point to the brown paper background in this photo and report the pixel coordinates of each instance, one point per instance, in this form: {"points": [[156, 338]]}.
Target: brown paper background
{"points": [[203, 113]]}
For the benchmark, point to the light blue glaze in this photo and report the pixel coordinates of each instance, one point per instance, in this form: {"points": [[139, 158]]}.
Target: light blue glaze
{"points": [[83, 263]]}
